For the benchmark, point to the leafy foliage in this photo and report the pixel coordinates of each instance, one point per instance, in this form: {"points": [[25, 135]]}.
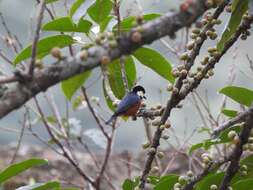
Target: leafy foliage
{"points": [[41, 186], [155, 61], [65, 24], [238, 9], [129, 184], [70, 86], [129, 22], [115, 76], [166, 182], [44, 47], [222, 139], [229, 112], [100, 10], [16, 169], [241, 95], [75, 6]]}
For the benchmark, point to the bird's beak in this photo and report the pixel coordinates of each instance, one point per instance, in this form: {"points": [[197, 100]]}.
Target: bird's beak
{"points": [[144, 97]]}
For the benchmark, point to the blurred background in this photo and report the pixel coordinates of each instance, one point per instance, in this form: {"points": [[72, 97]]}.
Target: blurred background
{"points": [[19, 16]]}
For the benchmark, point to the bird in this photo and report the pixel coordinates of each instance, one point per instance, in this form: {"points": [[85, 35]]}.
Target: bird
{"points": [[130, 103]]}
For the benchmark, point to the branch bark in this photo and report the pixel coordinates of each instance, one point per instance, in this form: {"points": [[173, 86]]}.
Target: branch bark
{"points": [[18, 93], [239, 118], [234, 165]]}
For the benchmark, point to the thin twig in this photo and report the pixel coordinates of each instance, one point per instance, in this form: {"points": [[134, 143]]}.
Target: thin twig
{"points": [[65, 153], [36, 37], [20, 138], [94, 114]]}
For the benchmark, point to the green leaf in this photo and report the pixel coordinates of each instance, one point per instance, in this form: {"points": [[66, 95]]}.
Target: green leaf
{"points": [[241, 95], [115, 76], [211, 179], [229, 112], [246, 184], [16, 169], [223, 138], [50, 1], [41, 186], [248, 162], [129, 22], [155, 61], [154, 180], [65, 24], [75, 6], [166, 182], [70, 86], [83, 26], [129, 184], [44, 47], [100, 10], [238, 9], [103, 25]]}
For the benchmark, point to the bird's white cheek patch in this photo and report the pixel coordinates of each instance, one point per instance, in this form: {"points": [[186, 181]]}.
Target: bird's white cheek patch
{"points": [[140, 93]]}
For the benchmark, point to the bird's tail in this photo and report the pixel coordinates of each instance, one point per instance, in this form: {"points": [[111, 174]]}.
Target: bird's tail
{"points": [[110, 120]]}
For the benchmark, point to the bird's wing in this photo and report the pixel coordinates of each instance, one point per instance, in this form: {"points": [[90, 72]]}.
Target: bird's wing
{"points": [[128, 101]]}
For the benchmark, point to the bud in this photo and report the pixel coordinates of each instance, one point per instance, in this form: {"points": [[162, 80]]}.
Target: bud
{"points": [[136, 37], [145, 145], [160, 155], [213, 187], [56, 53], [105, 59], [155, 169]]}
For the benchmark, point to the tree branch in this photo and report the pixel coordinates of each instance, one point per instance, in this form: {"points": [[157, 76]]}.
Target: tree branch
{"points": [[36, 37], [239, 118], [234, 158], [176, 98]]}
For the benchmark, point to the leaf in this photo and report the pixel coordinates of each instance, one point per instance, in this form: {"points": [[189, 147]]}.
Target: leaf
{"points": [[238, 9], [211, 179], [65, 24], [155, 61], [41, 186], [75, 6], [229, 112], [115, 76], [83, 26], [129, 22], [44, 47], [70, 86], [100, 10], [16, 169], [129, 184], [50, 1], [241, 95], [246, 184], [103, 25], [223, 138], [166, 182], [248, 162]]}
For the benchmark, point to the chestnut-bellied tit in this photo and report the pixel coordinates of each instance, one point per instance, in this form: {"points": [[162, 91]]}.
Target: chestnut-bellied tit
{"points": [[130, 103]]}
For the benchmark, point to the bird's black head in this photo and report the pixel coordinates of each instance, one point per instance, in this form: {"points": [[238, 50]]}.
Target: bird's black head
{"points": [[137, 89]]}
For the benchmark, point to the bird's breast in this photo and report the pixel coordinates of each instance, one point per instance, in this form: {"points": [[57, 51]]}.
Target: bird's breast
{"points": [[133, 110]]}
